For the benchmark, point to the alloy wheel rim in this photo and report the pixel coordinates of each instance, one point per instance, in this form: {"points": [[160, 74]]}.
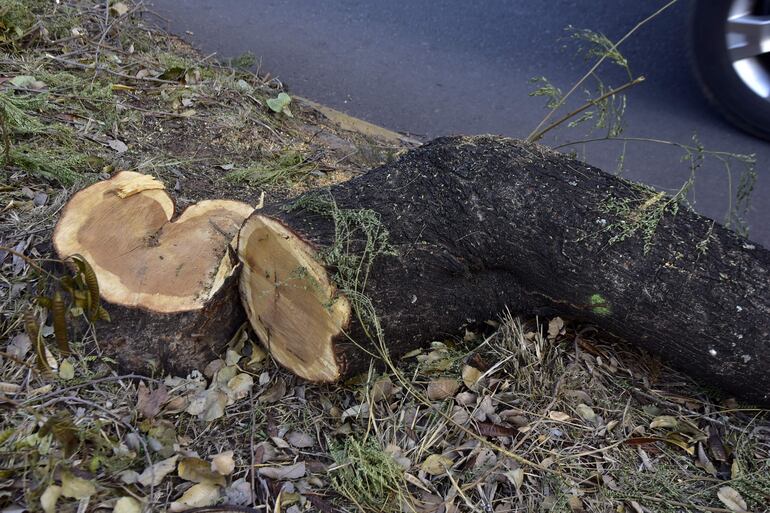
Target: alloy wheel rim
{"points": [[748, 44]]}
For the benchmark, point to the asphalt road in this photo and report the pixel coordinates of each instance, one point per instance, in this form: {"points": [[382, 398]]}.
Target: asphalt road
{"points": [[440, 67]]}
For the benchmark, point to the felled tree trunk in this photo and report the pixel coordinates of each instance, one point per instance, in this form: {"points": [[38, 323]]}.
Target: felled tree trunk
{"points": [[170, 288], [480, 224]]}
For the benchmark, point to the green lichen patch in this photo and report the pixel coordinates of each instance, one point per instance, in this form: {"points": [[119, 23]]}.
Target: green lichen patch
{"points": [[600, 305]]}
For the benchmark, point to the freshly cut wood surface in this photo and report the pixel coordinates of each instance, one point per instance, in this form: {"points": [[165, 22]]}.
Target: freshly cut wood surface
{"points": [[123, 227], [150, 266], [290, 299]]}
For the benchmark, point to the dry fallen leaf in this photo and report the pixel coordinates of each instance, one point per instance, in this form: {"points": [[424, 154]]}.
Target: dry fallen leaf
{"points": [[299, 440], [559, 416], [465, 398], [223, 463], [118, 145], [586, 412], [578, 395], [436, 464], [732, 499], [471, 376], [66, 370], [127, 505], [76, 487], [490, 429], [274, 393], [355, 411], [19, 346], [239, 493], [119, 8], [516, 477], [442, 388], [664, 421], [258, 354], [239, 386], [154, 474], [280, 442], [382, 389], [398, 456], [485, 458], [704, 462], [51, 359], [295, 471], [575, 504], [197, 496], [149, 403], [232, 357], [555, 327], [198, 471], [208, 404], [49, 498]]}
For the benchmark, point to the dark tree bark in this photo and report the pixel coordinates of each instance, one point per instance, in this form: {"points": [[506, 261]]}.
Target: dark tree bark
{"points": [[481, 224], [148, 342]]}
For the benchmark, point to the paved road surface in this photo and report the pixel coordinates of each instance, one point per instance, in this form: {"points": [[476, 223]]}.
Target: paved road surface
{"points": [[454, 66]]}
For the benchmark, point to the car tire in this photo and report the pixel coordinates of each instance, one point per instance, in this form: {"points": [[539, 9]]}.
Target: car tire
{"points": [[734, 93]]}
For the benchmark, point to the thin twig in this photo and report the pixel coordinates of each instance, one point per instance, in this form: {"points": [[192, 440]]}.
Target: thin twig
{"points": [[252, 469], [76, 64], [685, 505], [590, 103], [87, 384], [15, 359], [598, 63], [24, 257], [742, 157]]}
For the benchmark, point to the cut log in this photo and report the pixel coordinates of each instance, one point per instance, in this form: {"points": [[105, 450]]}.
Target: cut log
{"points": [[482, 224], [170, 287]]}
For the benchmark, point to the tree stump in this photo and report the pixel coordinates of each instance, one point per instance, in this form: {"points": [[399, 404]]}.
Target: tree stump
{"points": [[170, 287], [479, 224]]}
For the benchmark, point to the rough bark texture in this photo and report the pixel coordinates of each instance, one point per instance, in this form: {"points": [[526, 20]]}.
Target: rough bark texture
{"points": [[149, 342], [482, 224]]}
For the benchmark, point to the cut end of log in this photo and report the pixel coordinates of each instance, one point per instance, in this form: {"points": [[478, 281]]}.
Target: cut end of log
{"points": [[290, 300], [123, 227]]}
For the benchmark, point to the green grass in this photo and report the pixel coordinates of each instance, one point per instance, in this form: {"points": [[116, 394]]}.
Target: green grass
{"points": [[367, 476], [16, 18], [285, 169], [59, 164], [641, 215]]}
